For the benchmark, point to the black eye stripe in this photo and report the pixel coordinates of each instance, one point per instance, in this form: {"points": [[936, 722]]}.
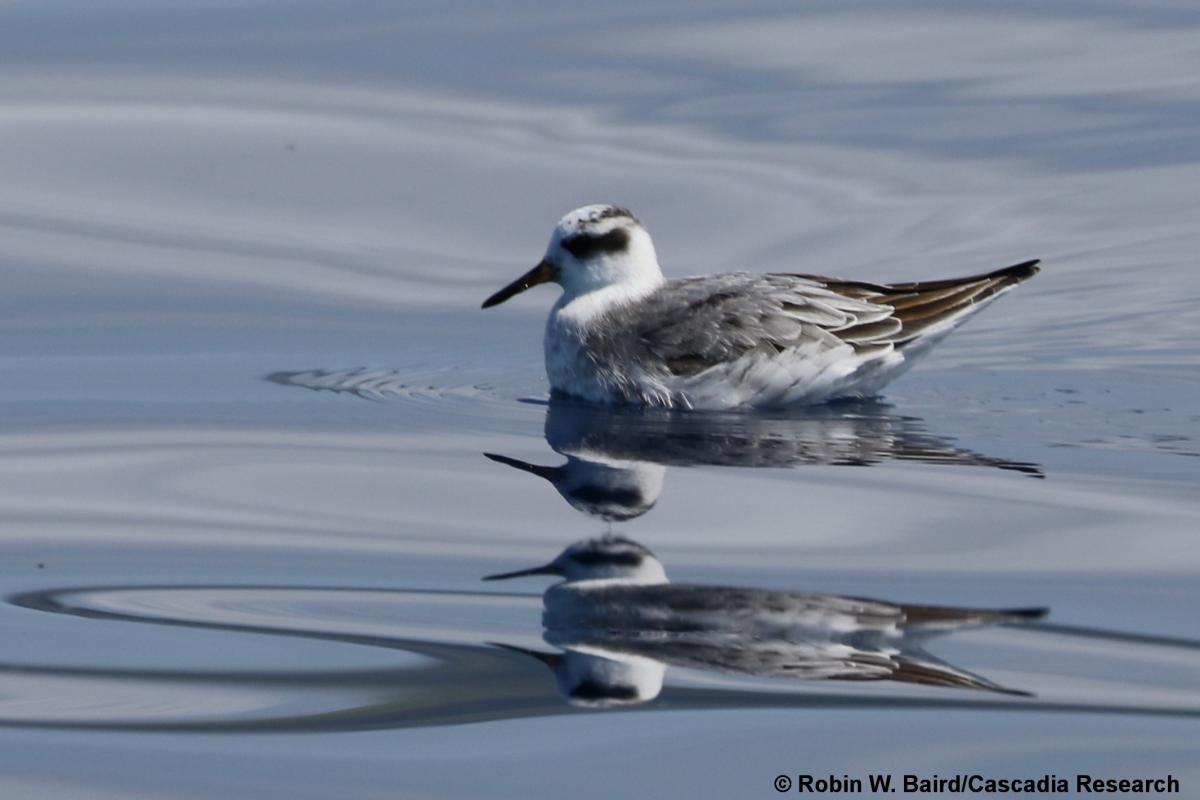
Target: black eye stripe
{"points": [[585, 245], [595, 494], [593, 558], [591, 690]]}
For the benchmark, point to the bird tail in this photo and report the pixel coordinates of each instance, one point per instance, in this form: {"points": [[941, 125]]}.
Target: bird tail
{"points": [[925, 308], [935, 673], [923, 311], [933, 617]]}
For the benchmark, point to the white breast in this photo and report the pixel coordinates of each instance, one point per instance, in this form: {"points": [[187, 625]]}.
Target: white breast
{"points": [[569, 366], [566, 361]]}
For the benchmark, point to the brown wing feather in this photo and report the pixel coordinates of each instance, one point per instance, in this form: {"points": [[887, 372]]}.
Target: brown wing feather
{"points": [[692, 324], [932, 674], [921, 305]]}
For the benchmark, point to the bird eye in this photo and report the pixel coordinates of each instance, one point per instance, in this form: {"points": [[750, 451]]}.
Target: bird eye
{"points": [[585, 245], [618, 558]]}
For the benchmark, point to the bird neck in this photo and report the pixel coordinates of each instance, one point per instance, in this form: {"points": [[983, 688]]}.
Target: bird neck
{"points": [[581, 306]]}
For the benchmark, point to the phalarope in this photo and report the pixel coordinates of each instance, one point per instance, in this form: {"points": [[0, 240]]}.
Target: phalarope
{"points": [[617, 457], [620, 623], [622, 333]]}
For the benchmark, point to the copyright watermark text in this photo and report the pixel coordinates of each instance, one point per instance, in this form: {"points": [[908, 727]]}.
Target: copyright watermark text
{"points": [[1042, 785]]}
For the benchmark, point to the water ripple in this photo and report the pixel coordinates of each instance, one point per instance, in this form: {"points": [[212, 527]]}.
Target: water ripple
{"points": [[450, 674]]}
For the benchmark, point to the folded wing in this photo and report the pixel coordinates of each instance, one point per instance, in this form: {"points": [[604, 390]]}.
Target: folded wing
{"points": [[698, 323]]}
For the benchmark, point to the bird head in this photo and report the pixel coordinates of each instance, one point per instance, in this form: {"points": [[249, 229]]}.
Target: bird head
{"points": [[593, 678], [603, 558], [592, 248]]}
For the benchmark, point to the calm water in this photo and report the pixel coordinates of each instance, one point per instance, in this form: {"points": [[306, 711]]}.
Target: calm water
{"points": [[244, 501]]}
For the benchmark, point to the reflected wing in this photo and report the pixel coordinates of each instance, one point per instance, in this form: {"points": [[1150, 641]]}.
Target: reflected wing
{"points": [[929, 671], [682, 607], [774, 658], [859, 433]]}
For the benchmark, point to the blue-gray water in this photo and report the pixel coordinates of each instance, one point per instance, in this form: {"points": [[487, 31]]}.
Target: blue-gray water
{"points": [[244, 506]]}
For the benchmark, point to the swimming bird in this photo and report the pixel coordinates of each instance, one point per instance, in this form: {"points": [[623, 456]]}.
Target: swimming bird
{"points": [[617, 456], [622, 333], [621, 622]]}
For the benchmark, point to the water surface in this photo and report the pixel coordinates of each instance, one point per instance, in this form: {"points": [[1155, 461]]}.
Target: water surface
{"points": [[245, 501]]}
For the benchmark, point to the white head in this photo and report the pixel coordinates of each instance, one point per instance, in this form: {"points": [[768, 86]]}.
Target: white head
{"points": [[591, 677], [611, 491], [594, 247], [605, 558]]}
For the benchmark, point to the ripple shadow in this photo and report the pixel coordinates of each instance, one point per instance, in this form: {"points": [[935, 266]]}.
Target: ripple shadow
{"points": [[454, 682]]}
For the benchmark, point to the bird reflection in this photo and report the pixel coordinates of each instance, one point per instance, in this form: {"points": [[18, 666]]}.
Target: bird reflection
{"points": [[618, 624], [613, 491], [617, 457]]}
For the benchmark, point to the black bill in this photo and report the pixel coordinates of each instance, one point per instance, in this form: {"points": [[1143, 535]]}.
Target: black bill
{"points": [[545, 569], [544, 272]]}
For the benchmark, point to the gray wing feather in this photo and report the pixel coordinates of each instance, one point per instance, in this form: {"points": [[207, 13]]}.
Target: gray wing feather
{"points": [[694, 323], [691, 324], [776, 338]]}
